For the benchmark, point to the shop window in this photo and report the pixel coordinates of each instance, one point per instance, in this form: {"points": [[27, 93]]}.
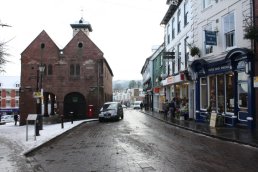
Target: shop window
{"points": [[229, 30], [230, 92], [212, 91], [242, 91], [221, 93], [204, 93]]}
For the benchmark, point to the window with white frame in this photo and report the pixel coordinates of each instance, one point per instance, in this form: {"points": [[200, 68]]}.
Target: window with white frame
{"points": [[186, 13], [187, 52], [173, 28], [229, 30], [208, 48], [179, 21], [168, 34], [179, 56], [16, 103], [206, 3], [8, 103], [8, 93]]}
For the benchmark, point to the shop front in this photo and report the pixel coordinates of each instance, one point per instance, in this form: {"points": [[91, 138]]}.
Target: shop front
{"points": [[225, 87], [178, 87]]}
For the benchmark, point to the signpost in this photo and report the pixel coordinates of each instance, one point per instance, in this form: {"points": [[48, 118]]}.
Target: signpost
{"points": [[31, 117]]}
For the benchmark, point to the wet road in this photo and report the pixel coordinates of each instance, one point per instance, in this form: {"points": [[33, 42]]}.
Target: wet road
{"points": [[141, 143]]}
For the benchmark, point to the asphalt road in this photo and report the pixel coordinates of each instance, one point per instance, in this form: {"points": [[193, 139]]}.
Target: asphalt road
{"points": [[141, 143]]}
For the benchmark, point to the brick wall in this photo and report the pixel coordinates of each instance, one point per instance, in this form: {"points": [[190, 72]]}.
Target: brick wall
{"points": [[79, 51]]}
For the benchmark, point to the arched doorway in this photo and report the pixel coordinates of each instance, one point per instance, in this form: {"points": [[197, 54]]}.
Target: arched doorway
{"points": [[74, 103], [49, 104]]}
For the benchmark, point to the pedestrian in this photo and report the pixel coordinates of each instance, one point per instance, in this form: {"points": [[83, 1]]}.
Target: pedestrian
{"points": [[15, 117], [141, 105], [166, 109], [172, 107]]}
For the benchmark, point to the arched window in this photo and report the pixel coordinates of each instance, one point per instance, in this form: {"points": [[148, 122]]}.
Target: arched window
{"points": [[71, 69], [49, 69]]}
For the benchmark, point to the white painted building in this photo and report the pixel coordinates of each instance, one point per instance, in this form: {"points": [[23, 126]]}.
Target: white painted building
{"points": [[9, 94], [223, 71], [178, 22]]}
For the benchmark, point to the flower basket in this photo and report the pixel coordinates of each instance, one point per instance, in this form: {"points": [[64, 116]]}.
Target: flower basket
{"points": [[195, 51], [251, 32]]}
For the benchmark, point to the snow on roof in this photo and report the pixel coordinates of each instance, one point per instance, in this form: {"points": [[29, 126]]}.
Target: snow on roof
{"points": [[10, 82]]}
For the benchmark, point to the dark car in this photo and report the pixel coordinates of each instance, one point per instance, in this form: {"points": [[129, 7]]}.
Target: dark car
{"points": [[111, 110]]}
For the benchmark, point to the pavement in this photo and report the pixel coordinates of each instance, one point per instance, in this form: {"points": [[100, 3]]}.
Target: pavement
{"points": [[14, 140], [239, 134]]}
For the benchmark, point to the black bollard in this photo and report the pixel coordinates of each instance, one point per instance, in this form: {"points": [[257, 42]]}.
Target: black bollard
{"points": [[37, 128], [71, 117], [62, 121]]}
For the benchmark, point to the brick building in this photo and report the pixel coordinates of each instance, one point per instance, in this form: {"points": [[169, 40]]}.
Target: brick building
{"points": [[255, 14], [72, 78], [9, 94]]}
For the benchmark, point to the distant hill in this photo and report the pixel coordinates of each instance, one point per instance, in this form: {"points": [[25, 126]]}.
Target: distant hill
{"points": [[124, 84]]}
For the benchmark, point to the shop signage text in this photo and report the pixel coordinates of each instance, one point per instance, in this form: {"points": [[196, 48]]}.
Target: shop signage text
{"points": [[219, 68]]}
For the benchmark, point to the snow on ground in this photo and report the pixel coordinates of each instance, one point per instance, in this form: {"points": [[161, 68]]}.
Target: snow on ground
{"points": [[17, 134]]}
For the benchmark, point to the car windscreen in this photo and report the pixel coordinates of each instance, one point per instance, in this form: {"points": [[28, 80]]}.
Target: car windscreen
{"points": [[109, 106]]}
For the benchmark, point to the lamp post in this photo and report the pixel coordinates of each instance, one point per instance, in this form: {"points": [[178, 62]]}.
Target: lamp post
{"points": [[41, 70]]}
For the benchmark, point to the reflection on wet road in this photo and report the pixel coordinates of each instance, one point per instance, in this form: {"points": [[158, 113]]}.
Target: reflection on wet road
{"points": [[141, 143]]}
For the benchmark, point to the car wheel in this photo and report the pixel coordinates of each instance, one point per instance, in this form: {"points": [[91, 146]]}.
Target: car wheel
{"points": [[100, 120], [122, 117]]}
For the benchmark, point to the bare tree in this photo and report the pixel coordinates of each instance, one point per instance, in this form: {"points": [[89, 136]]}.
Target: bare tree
{"points": [[3, 55]]}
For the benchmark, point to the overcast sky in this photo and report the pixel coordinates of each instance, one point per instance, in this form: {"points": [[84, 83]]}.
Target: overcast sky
{"points": [[124, 30]]}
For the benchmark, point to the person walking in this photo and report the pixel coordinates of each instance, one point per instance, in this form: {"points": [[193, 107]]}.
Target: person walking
{"points": [[15, 117], [172, 107], [166, 109], [141, 105]]}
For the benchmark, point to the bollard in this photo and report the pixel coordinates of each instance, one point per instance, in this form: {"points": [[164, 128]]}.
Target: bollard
{"points": [[62, 121], [37, 128], [71, 117]]}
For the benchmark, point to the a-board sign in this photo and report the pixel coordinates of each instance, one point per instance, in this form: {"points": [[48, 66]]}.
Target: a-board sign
{"points": [[32, 117], [213, 119]]}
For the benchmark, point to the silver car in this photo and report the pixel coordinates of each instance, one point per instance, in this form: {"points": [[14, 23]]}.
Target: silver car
{"points": [[111, 110]]}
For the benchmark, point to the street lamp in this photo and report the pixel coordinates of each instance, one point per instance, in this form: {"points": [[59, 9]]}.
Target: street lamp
{"points": [[41, 70]]}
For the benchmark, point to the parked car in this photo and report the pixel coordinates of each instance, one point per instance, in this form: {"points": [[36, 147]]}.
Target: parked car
{"points": [[111, 110], [7, 118], [137, 105]]}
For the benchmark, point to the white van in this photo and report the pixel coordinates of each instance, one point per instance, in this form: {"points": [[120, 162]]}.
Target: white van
{"points": [[137, 105]]}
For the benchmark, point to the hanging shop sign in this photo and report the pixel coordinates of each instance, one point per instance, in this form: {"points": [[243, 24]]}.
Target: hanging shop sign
{"points": [[256, 82], [210, 37], [156, 90]]}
